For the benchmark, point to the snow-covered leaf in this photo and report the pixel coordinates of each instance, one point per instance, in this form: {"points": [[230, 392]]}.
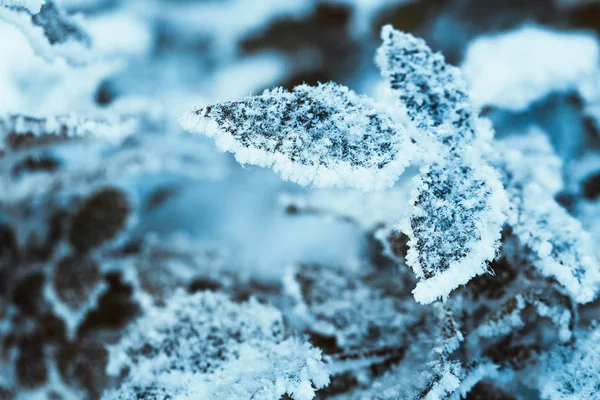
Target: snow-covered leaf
{"points": [[454, 227], [572, 372], [343, 304], [205, 346], [51, 32], [556, 243], [322, 136], [432, 92]]}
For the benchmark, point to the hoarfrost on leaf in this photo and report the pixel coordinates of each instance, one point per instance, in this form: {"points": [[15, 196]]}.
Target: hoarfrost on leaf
{"points": [[322, 136], [206, 346], [432, 92], [454, 227], [555, 242], [572, 371]]}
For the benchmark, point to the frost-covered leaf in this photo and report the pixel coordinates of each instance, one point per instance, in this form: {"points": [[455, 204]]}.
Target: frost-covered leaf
{"points": [[572, 372], [344, 305], [321, 136], [558, 245], [555, 241], [433, 93], [511, 316], [205, 346], [514, 69], [422, 373], [19, 131], [454, 227], [76, 285], [51, 32]]}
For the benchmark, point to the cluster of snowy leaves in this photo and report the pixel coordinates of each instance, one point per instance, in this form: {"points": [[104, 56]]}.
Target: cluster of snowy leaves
{"points": [[468, 190], [328, 136], [205, 346], [73, 250]]}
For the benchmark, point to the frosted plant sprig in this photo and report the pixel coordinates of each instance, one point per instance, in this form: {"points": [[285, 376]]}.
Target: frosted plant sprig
{"points": [[328, 136]]}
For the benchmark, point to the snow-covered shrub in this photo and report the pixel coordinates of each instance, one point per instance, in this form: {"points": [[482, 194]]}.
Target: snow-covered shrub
{"points": [[327, 136]]}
